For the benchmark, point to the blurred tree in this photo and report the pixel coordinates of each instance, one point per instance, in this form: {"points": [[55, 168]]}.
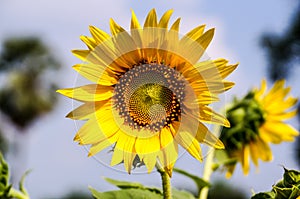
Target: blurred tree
{"points": [[283, 51], [26, 93], [75, 195], [3, 144], [225, 191], [78, 195], [283, 55]]}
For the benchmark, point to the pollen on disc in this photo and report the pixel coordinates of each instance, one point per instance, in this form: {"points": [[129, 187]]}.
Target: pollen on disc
{"points": [[149, 96]]}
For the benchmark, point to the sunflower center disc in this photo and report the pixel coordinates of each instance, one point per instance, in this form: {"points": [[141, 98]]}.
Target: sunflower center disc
{"points": [[149, 96]]}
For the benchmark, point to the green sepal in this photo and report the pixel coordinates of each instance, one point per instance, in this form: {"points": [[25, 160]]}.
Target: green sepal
{"points": [[280, 184], [287, 188], [222, 160], [291, 177], [4, 171], [4, 178], [295, 192], [282, 193], [4, 192], [21, 183], [199, 181]]}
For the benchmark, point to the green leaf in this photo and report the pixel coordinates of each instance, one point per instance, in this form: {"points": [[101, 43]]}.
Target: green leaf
{"points": [[124, 184], [199, 181], [180, 194], [132, 185], [126, 194]]}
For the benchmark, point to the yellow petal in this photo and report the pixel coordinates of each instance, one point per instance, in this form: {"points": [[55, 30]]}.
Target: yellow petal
{"points": [[147, 145], [165, 137], [96, 74], [99, 35], [195, 33], [199, 131], [95, 148], [206, 97], [207, 115], [278, 105], [169, 148], [126, 144], [205, 136], [227, 70], [276, 132], [265, 152], [150, 161], [151, 20], [175, 25], [230, 170], [117, 157], [245, 159], [86, 110], [134, 21], [91, 92], [81, 54], [128, 160], [98, 128], [214, 87], [254, 152], [206, 38], [164, 21], [259, 93], [281, 116], [215, 69], [115, 28], [90, 42], [124, 44], [188, 142], [135, 30]]}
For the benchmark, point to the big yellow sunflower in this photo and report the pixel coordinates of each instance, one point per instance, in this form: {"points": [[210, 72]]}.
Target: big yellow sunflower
{"points": [[257, 120], [150, 93]]}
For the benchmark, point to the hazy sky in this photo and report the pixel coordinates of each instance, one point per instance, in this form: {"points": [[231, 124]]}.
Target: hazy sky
{"points": [[60, 165]]}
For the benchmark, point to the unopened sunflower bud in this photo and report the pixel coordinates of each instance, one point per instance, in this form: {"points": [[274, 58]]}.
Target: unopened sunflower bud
{"points": [[257, 120]]}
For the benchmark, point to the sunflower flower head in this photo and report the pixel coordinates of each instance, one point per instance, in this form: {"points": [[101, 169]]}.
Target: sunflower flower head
{"points": [[257, 120], [150, 93]]}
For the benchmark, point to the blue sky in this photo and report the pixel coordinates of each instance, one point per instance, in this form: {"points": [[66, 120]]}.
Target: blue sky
{"points": [[58, 163]]}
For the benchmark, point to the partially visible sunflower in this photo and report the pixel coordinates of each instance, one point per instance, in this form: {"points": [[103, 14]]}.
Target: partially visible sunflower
{"points": [[257, 120], [149, 92]]}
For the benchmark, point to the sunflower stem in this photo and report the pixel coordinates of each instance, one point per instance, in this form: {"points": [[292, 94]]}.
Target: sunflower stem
{"points": [[17, 194], [203, 193], [166, 183]]}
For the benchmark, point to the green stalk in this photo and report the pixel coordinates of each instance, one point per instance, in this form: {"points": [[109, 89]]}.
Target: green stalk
{"points": [[208, 166], [166, 183], [17, 194], [207, 173]]}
